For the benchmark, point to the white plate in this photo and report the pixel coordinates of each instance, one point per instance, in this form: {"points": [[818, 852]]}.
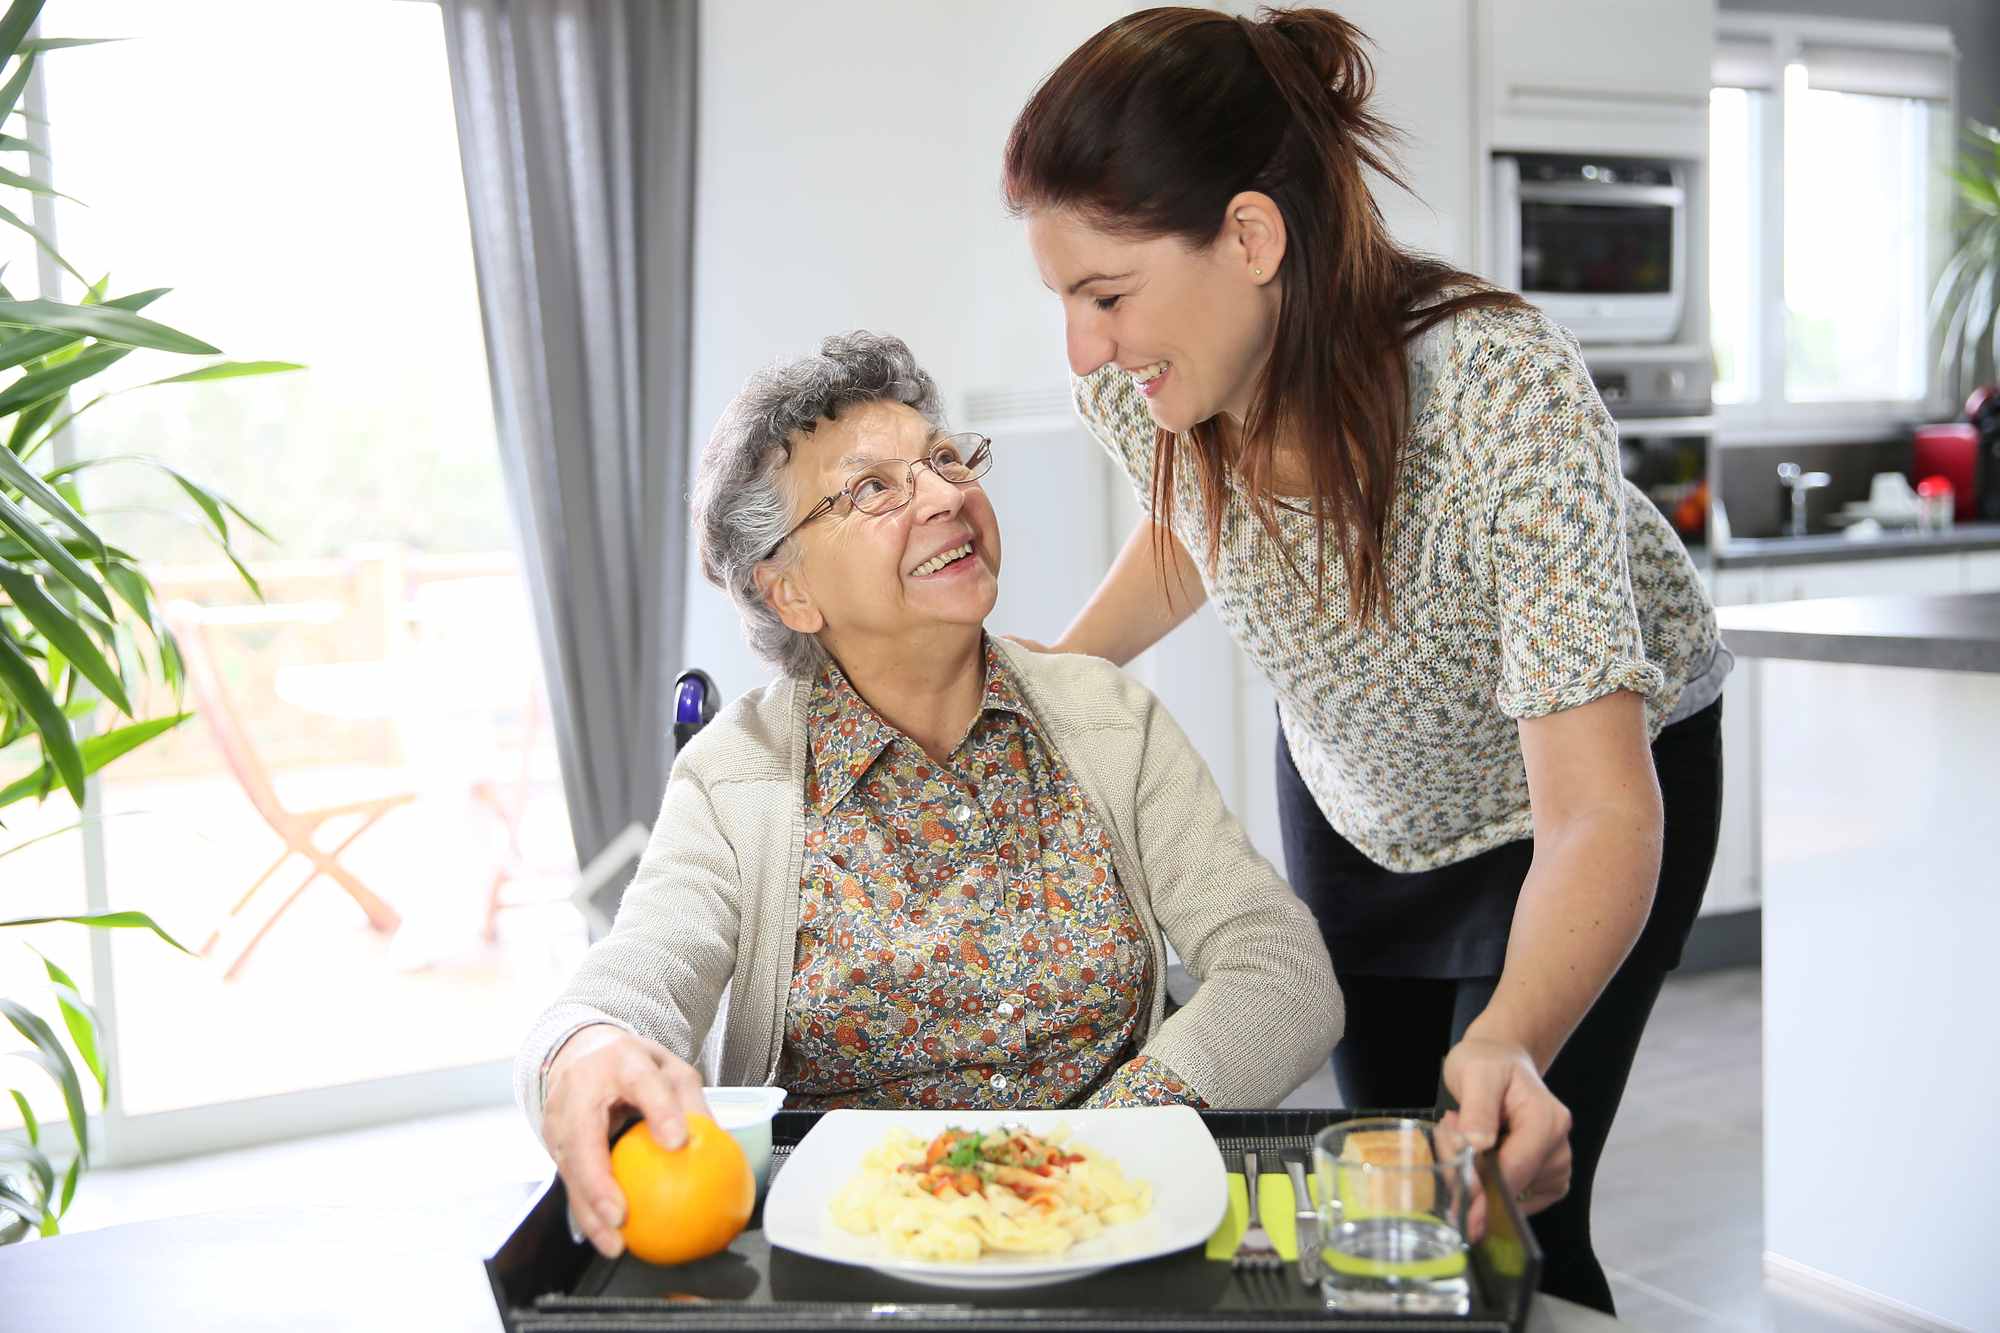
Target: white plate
{"points": [[1166, 1146]]}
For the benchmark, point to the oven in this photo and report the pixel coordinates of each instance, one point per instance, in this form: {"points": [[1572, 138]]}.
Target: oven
{"points": [[1661, 399], [1600, 243]]}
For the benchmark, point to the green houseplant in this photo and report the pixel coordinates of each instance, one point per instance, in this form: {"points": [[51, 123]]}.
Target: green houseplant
{"points": [[78, 625], [1965, 305]]}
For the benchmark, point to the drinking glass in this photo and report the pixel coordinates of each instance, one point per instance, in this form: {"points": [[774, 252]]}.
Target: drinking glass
{"points": [[1395, 1198]]}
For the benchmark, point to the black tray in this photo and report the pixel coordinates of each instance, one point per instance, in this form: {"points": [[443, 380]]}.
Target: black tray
{"points": [[544, 1282]]}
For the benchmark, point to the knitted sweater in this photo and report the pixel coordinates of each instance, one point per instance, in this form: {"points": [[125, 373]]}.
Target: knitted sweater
{"points": [[709, 927], [1525, 574]]}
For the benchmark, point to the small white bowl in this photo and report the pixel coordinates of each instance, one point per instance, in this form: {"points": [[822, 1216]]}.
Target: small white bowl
{"points": [[746, 1113]]}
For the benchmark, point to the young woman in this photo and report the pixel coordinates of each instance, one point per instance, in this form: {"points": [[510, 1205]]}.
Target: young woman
{"points": [[1498, 675]]}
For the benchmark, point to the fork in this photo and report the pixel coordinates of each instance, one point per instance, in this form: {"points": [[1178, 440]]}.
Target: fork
{"points": [[1305, 1224], [1256, 1252]]}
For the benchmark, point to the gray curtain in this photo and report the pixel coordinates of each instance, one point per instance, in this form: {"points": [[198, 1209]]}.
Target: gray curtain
{"points": [[576, 130]]}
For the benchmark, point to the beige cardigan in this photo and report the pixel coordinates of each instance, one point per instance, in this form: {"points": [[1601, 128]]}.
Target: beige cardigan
{"points": [[711, 919]]}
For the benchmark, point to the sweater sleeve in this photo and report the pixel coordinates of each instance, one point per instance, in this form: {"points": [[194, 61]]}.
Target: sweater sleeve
{"points": [[1145, 1082], [1569, 627], [661, 971], [1267, 1009]]}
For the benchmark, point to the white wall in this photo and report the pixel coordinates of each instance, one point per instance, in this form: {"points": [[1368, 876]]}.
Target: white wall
{"points": [[848, 177]]}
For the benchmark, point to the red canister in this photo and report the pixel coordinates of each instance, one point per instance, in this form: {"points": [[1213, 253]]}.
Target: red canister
{"points": [[1950, 450]]}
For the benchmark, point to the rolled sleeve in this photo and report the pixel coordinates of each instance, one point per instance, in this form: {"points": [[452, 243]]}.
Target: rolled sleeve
{"points": [[1145, 1082], [1569, 625]]}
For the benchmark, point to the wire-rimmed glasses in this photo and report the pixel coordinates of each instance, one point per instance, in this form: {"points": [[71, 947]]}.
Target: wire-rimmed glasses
{"points": [[890, 484]]}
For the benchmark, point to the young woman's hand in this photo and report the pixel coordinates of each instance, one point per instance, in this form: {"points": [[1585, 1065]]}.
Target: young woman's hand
{"points": [[1502, 1099]]}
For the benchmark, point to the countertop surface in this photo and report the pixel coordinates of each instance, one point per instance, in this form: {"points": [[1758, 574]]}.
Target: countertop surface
{"points": [[1820, 548], [1952, 632]]}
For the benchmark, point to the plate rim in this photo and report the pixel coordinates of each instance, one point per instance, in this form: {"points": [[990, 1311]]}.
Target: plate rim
{"points": [[985, 1271]]}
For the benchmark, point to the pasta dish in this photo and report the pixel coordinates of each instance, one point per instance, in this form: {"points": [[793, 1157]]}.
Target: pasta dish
{"points": [[966, 1195]]}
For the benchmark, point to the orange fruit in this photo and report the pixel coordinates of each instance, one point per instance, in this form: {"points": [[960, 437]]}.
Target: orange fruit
{"points": [[685, 1204]]}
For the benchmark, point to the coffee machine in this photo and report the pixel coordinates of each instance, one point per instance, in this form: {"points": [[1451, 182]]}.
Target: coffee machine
{"points": [[1982, 409]]}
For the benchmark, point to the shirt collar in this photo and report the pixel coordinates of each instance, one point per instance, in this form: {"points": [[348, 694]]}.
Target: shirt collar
{"points": [[845, 736]]}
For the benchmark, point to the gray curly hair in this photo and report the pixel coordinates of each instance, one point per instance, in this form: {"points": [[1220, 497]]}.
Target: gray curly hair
{"points": [[741, 511]]}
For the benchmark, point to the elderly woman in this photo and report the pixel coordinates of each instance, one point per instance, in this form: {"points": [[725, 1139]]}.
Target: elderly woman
{"points": [[924, 867]]}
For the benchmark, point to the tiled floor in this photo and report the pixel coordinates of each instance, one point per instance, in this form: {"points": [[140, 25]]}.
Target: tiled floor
{"points": [[1679, 1194]]}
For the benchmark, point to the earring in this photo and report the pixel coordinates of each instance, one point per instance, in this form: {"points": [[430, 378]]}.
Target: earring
{"points": [[1256, 272]]}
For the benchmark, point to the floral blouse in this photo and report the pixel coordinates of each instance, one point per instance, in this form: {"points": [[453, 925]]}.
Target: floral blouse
{"points": [[963, 938]]}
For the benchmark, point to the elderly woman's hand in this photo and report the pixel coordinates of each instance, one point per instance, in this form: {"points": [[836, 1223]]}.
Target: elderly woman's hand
{"points": [[1502, 1099], [601, 1073]]}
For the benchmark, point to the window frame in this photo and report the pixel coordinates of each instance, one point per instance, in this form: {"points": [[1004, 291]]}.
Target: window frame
{"points": [[1766, 414]]}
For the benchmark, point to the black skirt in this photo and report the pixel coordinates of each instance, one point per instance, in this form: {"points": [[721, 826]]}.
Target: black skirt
{"points": [[1453, 922]]}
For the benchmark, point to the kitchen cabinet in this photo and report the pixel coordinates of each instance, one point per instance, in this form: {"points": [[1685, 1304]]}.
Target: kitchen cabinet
{"points": [[1980, 572], [1916, 575], [1735, 883], [1732, 884], [1599, 75], [1424, 82]]}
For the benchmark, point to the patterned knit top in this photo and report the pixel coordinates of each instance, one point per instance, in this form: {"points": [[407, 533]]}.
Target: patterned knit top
{"points": [[1525, 575]]}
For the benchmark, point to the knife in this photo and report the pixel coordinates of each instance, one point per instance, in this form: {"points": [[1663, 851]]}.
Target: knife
{"points": [[1305, 1225]]}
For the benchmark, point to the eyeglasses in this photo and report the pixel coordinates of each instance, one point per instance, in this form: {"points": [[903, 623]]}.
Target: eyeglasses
{"points": [[892, 483]]}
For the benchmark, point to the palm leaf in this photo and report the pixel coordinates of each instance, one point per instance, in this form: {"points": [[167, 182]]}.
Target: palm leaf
{"points": [[104, 921], [37, 45], [16, 474], [10, 91], [56, 379], [20, 1204], [31, 695], [33, 186], [209, 501], [49, 1053], [226, 370], [12, 219], [80, 1019], [96, 752], [20, 17], [106, 323], [57, 556], [23, 347], [62, 630], [52, 833]]}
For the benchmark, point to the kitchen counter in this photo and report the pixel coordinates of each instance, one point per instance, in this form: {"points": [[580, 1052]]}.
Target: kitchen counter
{"points": [[1952, 632], [1757, 552], [1878, 729]]}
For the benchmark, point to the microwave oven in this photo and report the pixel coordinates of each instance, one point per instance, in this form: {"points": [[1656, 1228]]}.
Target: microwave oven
{"points": [[1600, 243]]}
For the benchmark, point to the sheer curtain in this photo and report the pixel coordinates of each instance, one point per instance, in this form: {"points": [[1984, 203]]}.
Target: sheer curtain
{"points": [[576, 130]]}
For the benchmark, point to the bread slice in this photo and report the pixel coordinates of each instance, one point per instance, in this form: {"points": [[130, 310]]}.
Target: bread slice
{"points": [[1368, 1192]]}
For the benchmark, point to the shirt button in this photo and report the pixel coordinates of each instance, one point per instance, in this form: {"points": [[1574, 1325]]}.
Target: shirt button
{"points": [[963, 813], [998, 1083], [1005, 1011]]}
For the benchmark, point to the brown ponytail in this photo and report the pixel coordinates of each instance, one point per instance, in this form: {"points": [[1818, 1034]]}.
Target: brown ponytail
{"points": [[1149, 129]]}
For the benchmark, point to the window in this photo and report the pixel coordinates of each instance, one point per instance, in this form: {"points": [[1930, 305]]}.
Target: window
{"points": [[226, 150], [1828, 217]]}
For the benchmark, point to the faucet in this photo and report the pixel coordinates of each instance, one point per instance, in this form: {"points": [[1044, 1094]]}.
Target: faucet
{"points": [[1799, 483]]}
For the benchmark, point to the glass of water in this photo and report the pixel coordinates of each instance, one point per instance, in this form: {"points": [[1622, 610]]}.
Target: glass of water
{"points": [[1395, 1199]]}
